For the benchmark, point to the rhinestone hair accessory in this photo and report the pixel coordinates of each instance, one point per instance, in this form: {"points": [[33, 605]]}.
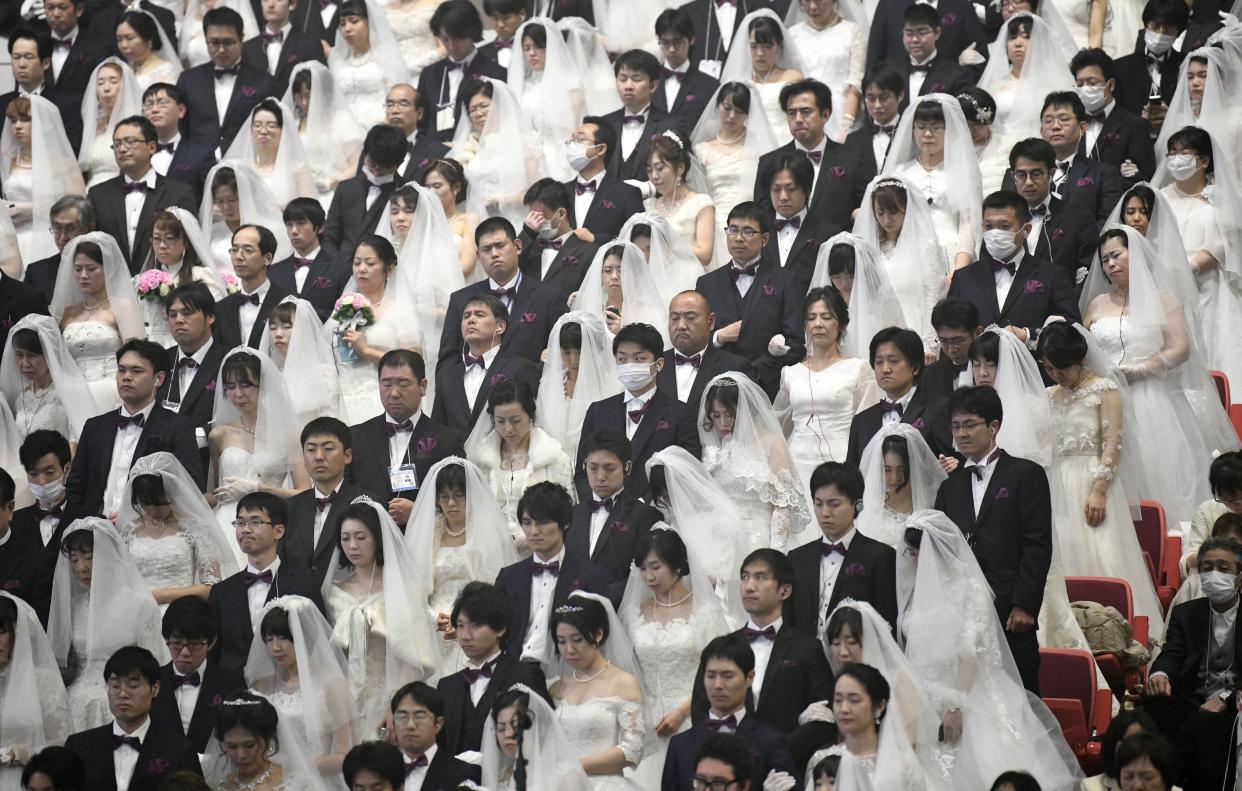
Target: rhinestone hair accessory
{"points": [[565, 609], [980, 115], [889, 181], [676, 138], [242, 702]]}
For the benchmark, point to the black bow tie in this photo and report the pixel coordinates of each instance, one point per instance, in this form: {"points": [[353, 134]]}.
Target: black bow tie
{"points": [[227, 70], [453, 65], [892, 406], [504, 42], [472, 675], [470, 360], [298, 263], [1040, 211], [404, 427], [1063, 167], [253, 299], [793, 222], [550, 244], [417, 763], [134, 186], [603, 505], [886, 129], [726, 2], [250, 578], [923, 67], [56, 511], [583, 188], [694, 360], [126, 741], [1008, 266], [193, 679], [714, 725], [124, 422], [278, 37], [752, 635], [671, 74], [553, 568], [828, 548], [62, 43], [737, 271], [1099, 117], [636, 415], [977, 470], [1157, 60], [169, 147], [815, 156], [187, 362], [504, 293], [322, 503], [634, 119]]}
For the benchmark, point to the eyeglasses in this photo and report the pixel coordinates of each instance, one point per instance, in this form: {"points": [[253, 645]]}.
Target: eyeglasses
{"points": [[714, 784], [969, 425], [65, 229], [177, 646], [128, 142], [419, 717], [158, 241], [162, 104], [745, 233], [672, 43], [265, 127], [953, 343], [240, 523], [1230, 502]]}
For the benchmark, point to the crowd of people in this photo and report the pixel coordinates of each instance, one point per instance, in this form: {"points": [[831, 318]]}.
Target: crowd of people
{"points": [[592, 395]]}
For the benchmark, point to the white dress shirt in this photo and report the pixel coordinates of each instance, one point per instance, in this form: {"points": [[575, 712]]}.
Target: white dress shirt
{"points": [[125, 758], [134, 201], [515, 284], [187, 695], [686, 374], [966, 378], [599, 518], [256, 594], [376, 183], [631, 133], [123, 447], [327, 11], [272, 48], [633, 402], [399, 442], [880, 142], [1094, 127], [917, 78], [454, 77], [672, 85], [185, 375], [548, 254], [224, 92], [414, 780], [542, 589], [762, 648], [829, 569], [785, 236], [726, 16], [979, 485], [480, 684], [1004, 280], [47, 525], [1037, 226], [300, 273], [162, 160], [321, 516], [248, 314], [473, 380], [61, 54], [583, 202], [744, 281], [1059, 174], [892, 417]]}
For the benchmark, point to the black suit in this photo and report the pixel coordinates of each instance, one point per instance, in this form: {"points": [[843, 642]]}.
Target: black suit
{"points": [[190, 163], [41, 275], [929, 414], [613, 204], [296, 550], [567, 269], [576, 573], [349, 219], [202, 121], [532, 313], [635, 165], [772, 306], [215, 683], [1066, 238], [324, 282], [813, 231], [1134, 80], [1039, 290], [162, 431], [423, 151], [559, 9], [667, 422], [629, 520], [228, 317], [18, 300], [453, 410], [430, 442], [693, 93], [1184, 656], [1012, 539], [101, 23], [959, 28], [863, 139], [1091, 187], [769, 752], [1124, 136], [446, 773], [198, 400], [713, 363], [232, 607], [944, 76], [707, 41], [940, 378], [26, 565], [75, 72], [463, 720], [108, 198], [163, 752], [297, 47], [433, 86], [844, 173], [868, 573]]}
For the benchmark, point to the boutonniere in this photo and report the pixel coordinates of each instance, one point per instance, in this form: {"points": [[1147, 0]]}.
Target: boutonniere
{"points": [[530, 318], [855, 570], [291, 59], [1033, 287], [1085, 181], [570, 260], [249, 91], [662, 425], [216, 700], [690, 98], [158, 766], [1056, 234], [937, 87], [769, 290], [182, 168], [918, 423], [608, 204], [620, 527], [7, 322], [210, 387], [836, 173], [949, 19], [425, 445], [1002, 493], [497, 379], [12, 585], [573, 586], [321, 282], [1113, 138], [811, 244], [424, 163], [787, 664]]}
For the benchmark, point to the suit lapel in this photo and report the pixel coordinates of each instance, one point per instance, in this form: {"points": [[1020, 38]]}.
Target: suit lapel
{"points": [[647, 427], [206, 372], [154, 197], [780, 647], [994, 485], [150, 431], [339, 504], [986, 281], [1025, 270]]}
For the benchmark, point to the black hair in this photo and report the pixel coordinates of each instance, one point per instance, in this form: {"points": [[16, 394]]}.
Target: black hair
{"points": [[1018, 781], [27, 340], [1226, 543], [250, 712], [302, 81], [1172, 13], [913, 537], [640, 61], [896, 443], [512, 391], [738, 93], [385, 145], [886, 77], [494, 306], [821, 92], [845, 616], [1116, 732], [1003, 200], [676, 21], [267, 239], [305, 210], [272, 106], [570, 336], [605, 135], [1152, 746], [77, 541], [1018, 26], [476, 88], [457, 19], [132, 660], [223, 16], [955, 313], [145, 127], [667, 546], [538, 35], [40, 443], [723, 392], [928, 110], [361, 512], [845, 477], [150, 351], [61, 764], [642, 335], [546, 502], [750, 210], [509, 699], [1061, 345], [908, 343], [493, 225], [423, 694], [483, 603], [841, 260], [982, 401], [40, 36], [8, 614], [382, 248], [172, 91], [451, 171], [242, 368], [1145, 195], [609, 442], [1086, 58], [274, 507], [872, 681], [1196, 139], [276, 624], [836, 304], [494, 8], [584, 614], [170, 225], [148, 489], [406, 196], [727, 748], [1115, 233], [1225, 474], [403, 358], [327, 426], [84, 208], [640, 230], [145, 26], [977, 105], [673, 147], [780, 564], [828, 767], [1036, 149], [800, 168], [926, 15], [355, 8], [451, 478], [889, 195], [189, 617], [1068, 99], [379, 758], [550, 192], [986, 348], [766, 30], [8, 488], [224, 177]]}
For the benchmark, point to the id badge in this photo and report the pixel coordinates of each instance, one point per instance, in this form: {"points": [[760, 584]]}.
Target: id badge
{"points": [[444, 117], [171, 406], [403, 478], [200, 437], [710, 68]]}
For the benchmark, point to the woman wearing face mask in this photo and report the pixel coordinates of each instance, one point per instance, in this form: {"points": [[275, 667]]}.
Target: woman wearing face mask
{"points": [[41, 382], [1205, 98], [36, 708], [295, 340]]}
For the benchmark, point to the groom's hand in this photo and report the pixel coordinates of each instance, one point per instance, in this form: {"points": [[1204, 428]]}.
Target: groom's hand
{"points": [[1019, 621], [399, 509]]}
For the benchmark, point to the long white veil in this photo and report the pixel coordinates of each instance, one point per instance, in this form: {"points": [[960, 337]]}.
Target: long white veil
{"points": [[873, 302], [383, 43], [923, 475], [36, 707], [309, 359], [597, 379], [1217, 110], [1043, 71], [291, 175], [617, 649], [551, 760], [54, 173], [128, 103], [67, 380], [121, 295], [738, 66], [556, 93], [256, 205], [1024, 431], [296, 763], [277, 449], [674, 266], [332, 139], [590, 58], [643, 302]]}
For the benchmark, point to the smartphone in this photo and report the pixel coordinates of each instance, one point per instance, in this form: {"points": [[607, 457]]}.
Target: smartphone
{"points": [[613, 309]]}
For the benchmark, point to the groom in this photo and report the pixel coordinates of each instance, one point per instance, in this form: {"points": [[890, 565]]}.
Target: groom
{"points": [[1002, 504]]}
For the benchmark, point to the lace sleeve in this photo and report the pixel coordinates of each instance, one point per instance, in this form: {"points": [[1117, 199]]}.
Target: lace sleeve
{"points": [[631, 731], [57, 724], [206, 567], [1110, 432], [858, 59]]}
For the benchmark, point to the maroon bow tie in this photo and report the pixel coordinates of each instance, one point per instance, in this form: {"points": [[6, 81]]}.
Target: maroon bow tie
{"points": [[503, 42], [169, 147], [887, 129], [671, 74], [322, 503], [603, 505], [298, 263], [923, 67], [454, 65], [62, 43], [978, 469], [134, 186], [714, 725], [737, 271], [227, 70], [694, 360], [504, 293], [470, 360], [1040, 211], [634, 119], [278, 37], [193, 679], [136, 420], [472, 675], [752, 635], [815, 156], [126, 741], [828, 548], [250, 578], [187, 362], [404, 427], [636, 415], [892, 406], [1008, 266], [417, 763], [550, 244], [793, 222], [726, 2], [583, 188], [253, 299], [553, 568]]}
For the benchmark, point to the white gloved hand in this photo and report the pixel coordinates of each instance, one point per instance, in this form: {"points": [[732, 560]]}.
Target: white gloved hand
{"points": [[779, 781], [1128, 169], [777, 347], [1080, 274], [233, 489], [1225, 17], [33, 9], [819, 711], [970, 57]]}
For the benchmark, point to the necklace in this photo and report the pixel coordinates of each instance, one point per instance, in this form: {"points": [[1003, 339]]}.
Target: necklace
{"points": [[245, 428], [764, 77], [450, 533], [96, 306], [603, 670], [247, 785], [670, 605], [671, 204], [741, 136]]}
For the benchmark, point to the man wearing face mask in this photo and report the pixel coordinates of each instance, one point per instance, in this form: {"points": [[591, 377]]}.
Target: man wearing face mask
{"points": [[599, 202], [1012, 288], [1147, 78], [551, 252], [1115, 136], [31, 543]]}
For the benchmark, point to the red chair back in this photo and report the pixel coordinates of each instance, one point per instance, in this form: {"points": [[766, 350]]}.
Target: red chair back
{"points": [[1068, 673], [1109, 591], [1235, 417], [1222, 387], [1152, 531]]}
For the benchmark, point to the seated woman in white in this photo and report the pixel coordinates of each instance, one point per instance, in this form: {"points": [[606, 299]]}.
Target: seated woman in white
{"points": [[237, 196], [578, 370], [689, 211], [42, 383], [619, 288], [116, 95]]}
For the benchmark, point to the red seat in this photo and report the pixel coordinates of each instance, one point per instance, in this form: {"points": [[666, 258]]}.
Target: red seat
{"points": [[1068, 712], [1222, 387], [1235, 416], [1116, 593], [1067, 675], [1164, 560]]}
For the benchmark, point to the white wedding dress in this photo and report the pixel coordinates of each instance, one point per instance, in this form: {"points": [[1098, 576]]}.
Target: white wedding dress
{"points": [[411, 23], [836, 56], [359, 381], [822, 406], [952, 230], [765, 506], [731, 171], [93, 345], [360, 628], [669, 656], [600, 724], [361, 82], [917, 291], [88, 695], [102, 163], [684, 215], [290, 707], [452, 573], [174, 561], [41, 409], [770, 92], [19, 188]]}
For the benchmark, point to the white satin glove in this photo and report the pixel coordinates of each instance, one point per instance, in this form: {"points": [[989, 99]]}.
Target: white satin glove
{"points": [[819, 711], [779, 781], [33, 9], [1128, 169], [970, 57], [233, 489], [777, 347]]}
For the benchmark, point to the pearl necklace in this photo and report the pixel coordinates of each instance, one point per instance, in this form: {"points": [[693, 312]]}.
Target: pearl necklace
{"points": [[451, 534], [92, 308], [670, 605], [255, 783], [603, 670], [741, 136]]}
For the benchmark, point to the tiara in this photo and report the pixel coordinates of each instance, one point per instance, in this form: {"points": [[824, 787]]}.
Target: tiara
{"points": [[983, 115], [565, 609], [362, 498], [676, 138], [241, 702], [889, 181]]}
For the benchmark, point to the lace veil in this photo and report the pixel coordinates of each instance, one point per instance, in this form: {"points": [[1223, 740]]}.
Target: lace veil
{"points": [[67, 380], [873, 302], [121, 295], [128, 103], [309, 359], [36, 707]]}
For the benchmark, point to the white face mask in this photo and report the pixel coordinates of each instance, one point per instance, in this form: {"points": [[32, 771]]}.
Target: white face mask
{"points": [[577, 155], [1092, 97], [48, 493], [1000, 243], [547, 230], [1183, 166], [1218, 586], [635, 376], [1157, 43]]}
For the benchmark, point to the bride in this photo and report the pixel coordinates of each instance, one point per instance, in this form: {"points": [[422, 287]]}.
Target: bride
{"points": [[331, 136], [275, 152], [37, 168], [578, 370], [550, 759], [854, 267], [619, 288], [42, 383], [115, 95], [901, 475], [36, 708], [549, 86], [769, 59], [730, 137], [295, 340], [1025, 64], [688, 210], [366, 60]]}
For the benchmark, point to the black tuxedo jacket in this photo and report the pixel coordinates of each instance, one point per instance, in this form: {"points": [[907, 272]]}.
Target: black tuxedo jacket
{"points": [[707, 41], [423, 151], [228, 318], [232, 607], [667, 422], [627, 523], [198, 404], [1040, 289], [568, 267], [635, 166], [959, 28], [84, 56], [190, 162], [433, 85], [929, 414], [532, 314], [559, 9], [1066, 238], [215, 684], [772, 306], [577, 574], [769, 752], [306, 561], [69, 106], [324, 282], [454, 411], [1123, 136], [18, 300], [844, 173], [944, 76], [695, 91], [489, 50], [862, 139], [715, 362], [430, 442], [108, 198], [939, 378], [41, 275], [26, 566], [349, 219], [446, 773], [614, 203], [202, 121], [1012, 535], [1091, 187], [163, 752], [163, 430], [298, 47], [102, 22], [1134, 80], [463, 721], [800, 264], [868, 573], [1185, 649]]}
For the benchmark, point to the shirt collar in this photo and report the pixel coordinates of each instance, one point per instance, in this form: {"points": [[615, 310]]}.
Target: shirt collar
{"points": [[261, 290], [988, 460], [140, 732], [630, 398], [429, 754], [8, 535], [495, 655], [145, 411], [823, 144], [905, 399], [643, 112], [148, 178], [466, 61], [73, 35], [800, 216], [489, 356], [311, 256], [320, 493], [201, 669], [776, 625], [596, 179], [925, 62], [682, 69], [198, 355], [1069, 160], [515, 282], [273, 567], [284, 31], [174, 141], [737, 715], [844, 541], [559, 557]]}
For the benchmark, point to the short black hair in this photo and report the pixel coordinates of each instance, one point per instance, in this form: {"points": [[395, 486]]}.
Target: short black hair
{"points": [[676, 21], [1006, 200], [196, 297], [583, 614], [731, 648], [8, 488], [1173, 13], [149, 135], [1226, 543], [512, 391], [146, 28], [423, 694], [550, 192], [643, 335], [832, 298], [727, 748], [1062, 346], [1156, 750], [638, 60], [223, 16], [457, 19], [609, 442], [327, 426], [132, 660], [1068, 99], [919, 14], [386, 145], [1035, 149], [274, 507], [156, 88], [483, 603], [403, 358], [750, 210], [846, 477], [821, 92], [908, 344], [379, 758], [38, 444], [492, 225], [366, 515], [267, 239], [1095, 56], [667, 545], [980, 400], [800, 167], [1225, 474], [1116, 732], [150, 351], [191, 618], [494, 306], [605, 135], [547, 502], [305, 210], [986, 348], [40, 36], [955, 313], [63, 765], [885, 76], [780, 564]]}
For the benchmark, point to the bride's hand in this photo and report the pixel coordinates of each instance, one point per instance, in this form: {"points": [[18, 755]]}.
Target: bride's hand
{"points": [[357, 340], [671, 722], [1095, 511], [233, 489], [951, 724], [948, 463]]}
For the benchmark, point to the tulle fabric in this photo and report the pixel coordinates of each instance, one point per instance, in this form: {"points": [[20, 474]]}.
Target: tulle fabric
{"points": [[643, 302], [256, 206], [873, 302], [923, 474], [291, 176], [1043, 71], [122, 298], [309, 358], [674, 266], [36, 707], [277, 446], [128, 103], [67, 381], [556, 93], [596, 379], [332, 137], [551, 762], [589, 55], [297, 764]]}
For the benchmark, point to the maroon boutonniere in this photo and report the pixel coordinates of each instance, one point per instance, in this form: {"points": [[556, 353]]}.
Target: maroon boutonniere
{"points": [[1002, 493], [321, 282], [570, 260], [918, 423], [291, 59], [216, 700], [497, 379], [1085, 181], [210, 387], [530, 318], [690, 98], [1033, 287], [425, 446], [836, 173], [608, 204], [183, 168], [249, 91], [158, 766], [948, 19], [7, 323], [769, 290], [12, 585], [424, 163], [620, 527], [662, 426], [1056, 234], [855, 570], [1113, 138], [788, 664], [937, 87], [575, 585]]}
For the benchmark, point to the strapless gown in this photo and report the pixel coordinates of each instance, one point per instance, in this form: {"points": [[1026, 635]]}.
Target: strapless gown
{"points": [[600, 724], [93, 345]]}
